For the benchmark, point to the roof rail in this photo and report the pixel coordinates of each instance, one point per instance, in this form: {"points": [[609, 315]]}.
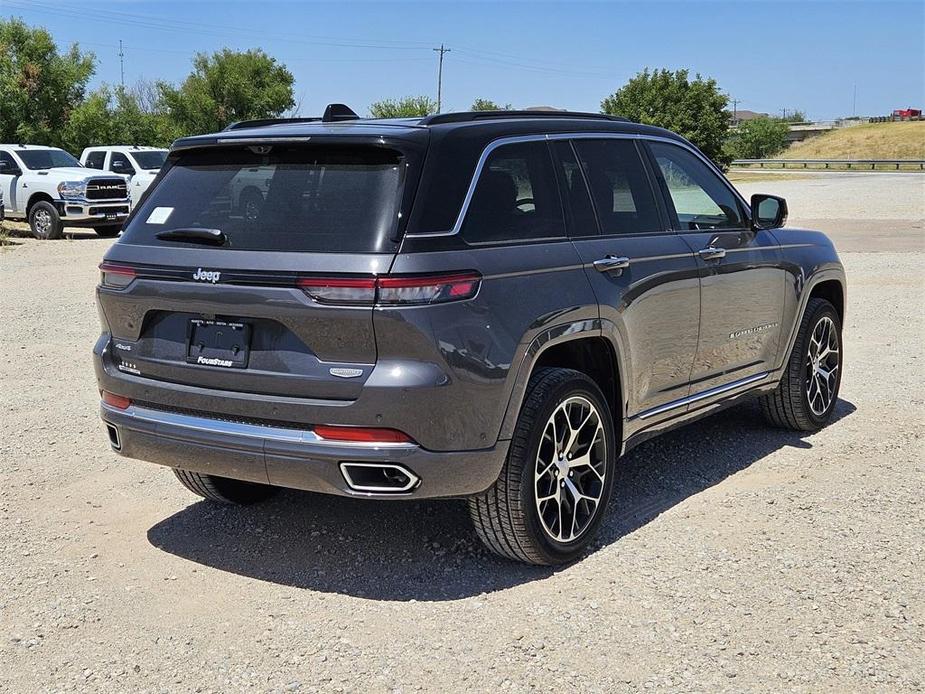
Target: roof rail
{"points": [[261, 122], [467, 116], [332, 114]]}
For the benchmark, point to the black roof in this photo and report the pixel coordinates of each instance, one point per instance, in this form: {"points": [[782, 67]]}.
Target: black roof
{"points": [[489, 124]]}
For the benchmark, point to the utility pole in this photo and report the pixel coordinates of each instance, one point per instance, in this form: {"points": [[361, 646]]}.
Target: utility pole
{"points": [[121, 64], [854, 102], [735, 110], [441, 51]]}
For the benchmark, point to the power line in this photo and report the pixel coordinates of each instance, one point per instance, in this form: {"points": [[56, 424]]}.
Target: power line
{"points": [[441, 51]]}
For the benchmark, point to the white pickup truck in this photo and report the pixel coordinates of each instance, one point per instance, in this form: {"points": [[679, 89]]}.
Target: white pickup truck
{"points": [[50, 189], [140, 164]]}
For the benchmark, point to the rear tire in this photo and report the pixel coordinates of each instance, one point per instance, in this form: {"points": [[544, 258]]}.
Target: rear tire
{"points": [[223, 489], [540, 511], [791, 406], [45, 221], [107, 232]]}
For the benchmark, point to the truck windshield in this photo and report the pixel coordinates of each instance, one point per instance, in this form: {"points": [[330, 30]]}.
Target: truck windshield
{"points": [[39, 159], [150, 160], [303, 199]]}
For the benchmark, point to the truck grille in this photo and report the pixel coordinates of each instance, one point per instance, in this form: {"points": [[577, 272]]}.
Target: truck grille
{"points": [[107, 188]]}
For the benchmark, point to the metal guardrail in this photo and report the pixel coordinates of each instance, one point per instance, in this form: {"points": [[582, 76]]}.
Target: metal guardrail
{"points": [[830, 163]]}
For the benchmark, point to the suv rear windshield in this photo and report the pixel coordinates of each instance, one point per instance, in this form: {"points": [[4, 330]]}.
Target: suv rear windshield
{"points": [[302, 199]]}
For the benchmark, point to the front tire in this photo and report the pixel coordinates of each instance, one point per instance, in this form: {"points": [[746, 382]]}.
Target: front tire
{"points": [[552, 493], [45, 221], [805, 399], [107, 232], [224, 490]]}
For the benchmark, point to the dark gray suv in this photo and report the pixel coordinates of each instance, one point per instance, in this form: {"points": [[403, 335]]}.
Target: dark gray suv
{"points": [[489, 306]]}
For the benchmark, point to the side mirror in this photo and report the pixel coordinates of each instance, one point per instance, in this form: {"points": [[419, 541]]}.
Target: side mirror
{"points": [[768, 211], [122, 168]]}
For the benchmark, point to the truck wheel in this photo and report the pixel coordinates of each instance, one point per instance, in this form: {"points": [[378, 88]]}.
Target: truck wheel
{"points": [[45, 221], [553, 490], [107, 232], [808, 390], [223, 489]]}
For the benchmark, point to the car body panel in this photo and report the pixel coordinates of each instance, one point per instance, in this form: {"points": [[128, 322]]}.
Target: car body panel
{"points": [[453, 376]]}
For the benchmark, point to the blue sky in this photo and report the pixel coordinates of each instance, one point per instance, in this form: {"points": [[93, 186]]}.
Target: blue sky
{"points": [[768, 55]]}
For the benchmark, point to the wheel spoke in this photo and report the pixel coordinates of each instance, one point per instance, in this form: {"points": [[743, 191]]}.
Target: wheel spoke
{"points": [[567, 496]]}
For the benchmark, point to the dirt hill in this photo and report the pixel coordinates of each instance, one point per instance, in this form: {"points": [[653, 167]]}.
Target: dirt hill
{"points": [[870, 141]]}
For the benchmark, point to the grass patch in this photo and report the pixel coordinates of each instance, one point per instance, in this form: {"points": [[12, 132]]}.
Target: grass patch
{"points": [[900, 140], [749, 175]]}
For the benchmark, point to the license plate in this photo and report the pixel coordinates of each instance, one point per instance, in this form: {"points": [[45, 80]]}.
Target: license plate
{"points": [[111, 216], [222, 343]]}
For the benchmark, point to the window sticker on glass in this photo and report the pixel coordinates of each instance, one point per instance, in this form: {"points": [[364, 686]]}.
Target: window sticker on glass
{"points": [[159, 215]]}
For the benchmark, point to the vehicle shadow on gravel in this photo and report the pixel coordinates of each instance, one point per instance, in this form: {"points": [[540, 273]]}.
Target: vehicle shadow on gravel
{"points": [[427, 550]]}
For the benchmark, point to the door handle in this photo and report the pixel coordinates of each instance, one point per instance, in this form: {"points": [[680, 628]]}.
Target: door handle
{"points": [[712, 253], [611, 263]]}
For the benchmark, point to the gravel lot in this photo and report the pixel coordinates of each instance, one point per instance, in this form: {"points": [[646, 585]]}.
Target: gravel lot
{"points": [[736, 557]]}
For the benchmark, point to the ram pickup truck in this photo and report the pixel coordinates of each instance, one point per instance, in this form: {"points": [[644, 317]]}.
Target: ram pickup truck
{"points": [[140, 164], [50, 189]]}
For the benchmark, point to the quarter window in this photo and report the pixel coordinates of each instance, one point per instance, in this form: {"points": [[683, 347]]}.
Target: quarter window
{"points": [[516, 197], [619, 185], [700, 198], [95, 160]]}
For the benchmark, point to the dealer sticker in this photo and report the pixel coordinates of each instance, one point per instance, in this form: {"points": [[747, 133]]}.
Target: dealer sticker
{"points": [[159, 215]]}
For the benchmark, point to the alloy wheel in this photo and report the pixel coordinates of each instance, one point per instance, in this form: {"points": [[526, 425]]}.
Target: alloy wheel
{"points": [[822, 363], [42, 222], [571, 465]]}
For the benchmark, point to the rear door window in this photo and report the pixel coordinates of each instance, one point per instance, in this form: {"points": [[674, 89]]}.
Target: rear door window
{"points": [[321, 199], [516, 198], [619, 185]]}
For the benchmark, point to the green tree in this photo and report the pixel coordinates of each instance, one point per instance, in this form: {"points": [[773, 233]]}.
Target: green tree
{"points": [[695, 109], [758, 138], [407, 107], [118, 116], [228, 86], [39, 87], [488, 105]]}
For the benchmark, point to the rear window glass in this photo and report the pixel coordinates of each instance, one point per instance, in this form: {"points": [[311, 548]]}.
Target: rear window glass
{"points": [[327, 200]]}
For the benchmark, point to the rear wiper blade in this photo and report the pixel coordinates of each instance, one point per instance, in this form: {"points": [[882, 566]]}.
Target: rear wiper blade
{"points": [[214, 237]]}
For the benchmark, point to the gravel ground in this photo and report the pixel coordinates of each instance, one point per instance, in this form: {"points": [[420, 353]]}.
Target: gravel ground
{"points": [[735, 557]]}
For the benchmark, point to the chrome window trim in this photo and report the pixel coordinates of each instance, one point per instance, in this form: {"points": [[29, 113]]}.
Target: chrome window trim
{"points": [[549, 137]]}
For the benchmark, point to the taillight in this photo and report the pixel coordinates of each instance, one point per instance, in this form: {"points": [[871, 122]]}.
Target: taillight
{"points": [[392, 290], [120, 402], [428, 290], [116, 276], [362, 434], [339, 290]]}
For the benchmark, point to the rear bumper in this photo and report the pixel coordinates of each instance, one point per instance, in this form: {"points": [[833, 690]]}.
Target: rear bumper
{"points": [[291, 458]]}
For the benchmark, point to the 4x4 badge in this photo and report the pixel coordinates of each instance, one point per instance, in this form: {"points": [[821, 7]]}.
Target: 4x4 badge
{"points": [[345, 373]]}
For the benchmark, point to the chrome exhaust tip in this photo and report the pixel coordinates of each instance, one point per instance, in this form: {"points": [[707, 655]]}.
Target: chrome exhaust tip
{"points": [[379, 478], [114, 440]]}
